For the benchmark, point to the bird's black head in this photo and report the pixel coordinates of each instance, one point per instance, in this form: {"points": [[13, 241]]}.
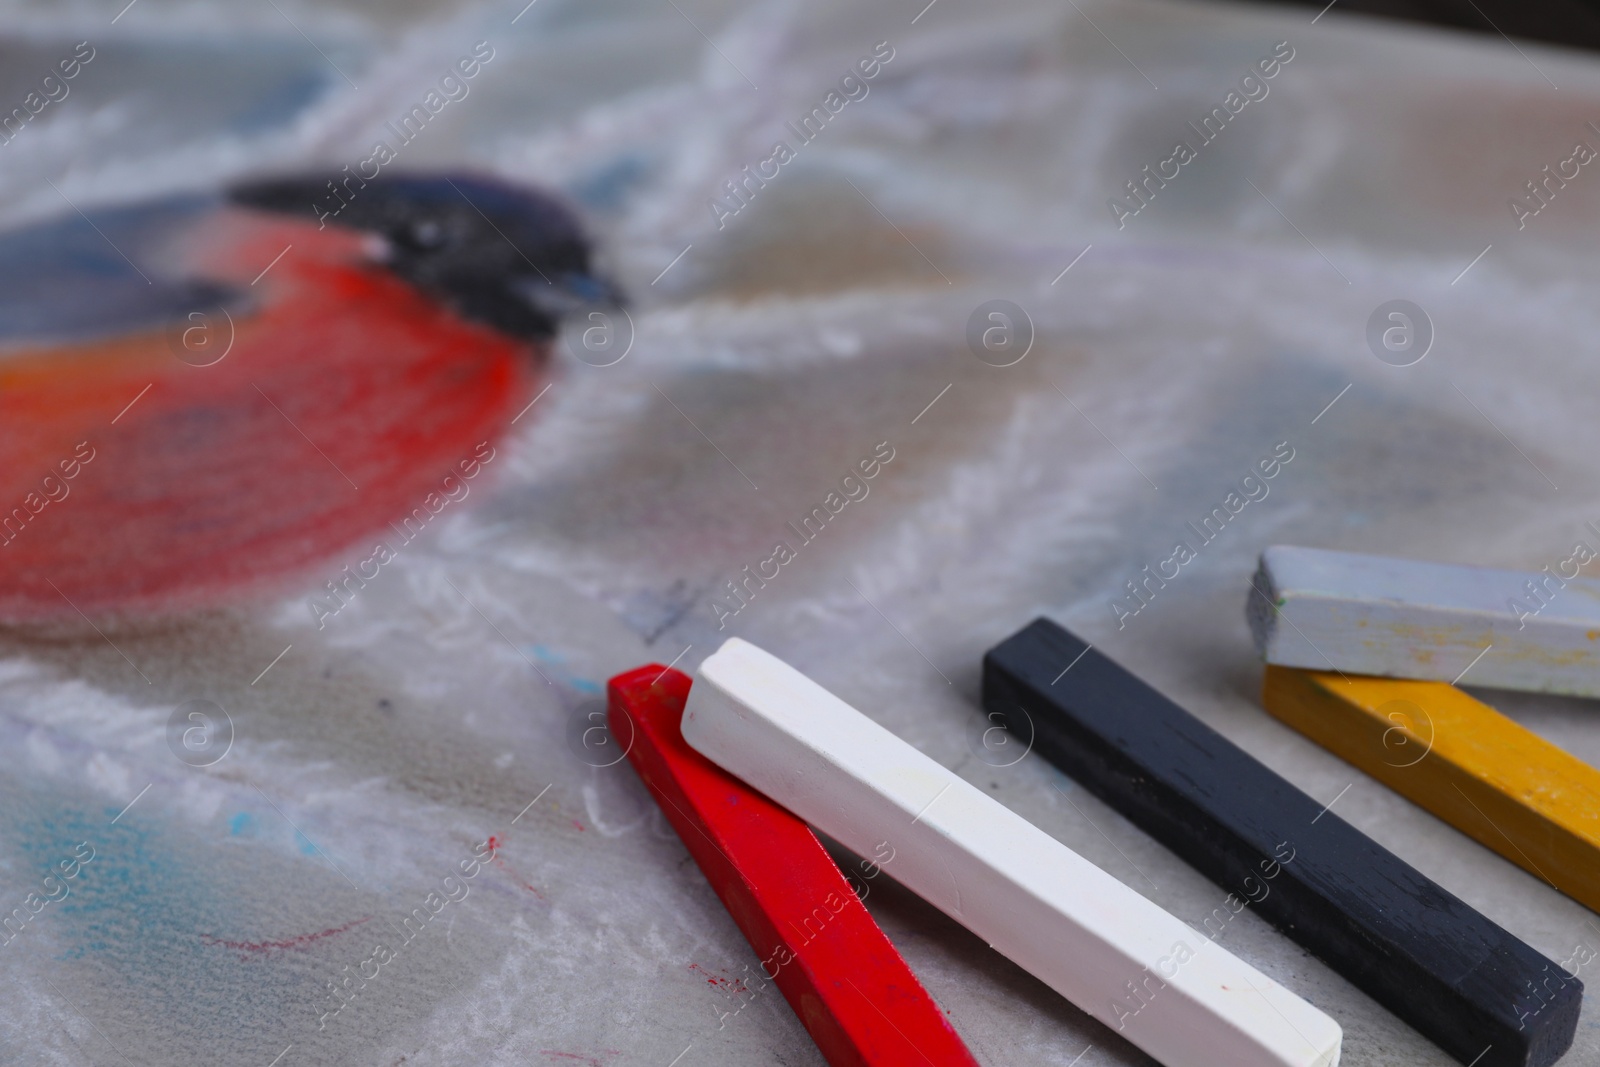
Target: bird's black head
{"points": [[512, 258]]}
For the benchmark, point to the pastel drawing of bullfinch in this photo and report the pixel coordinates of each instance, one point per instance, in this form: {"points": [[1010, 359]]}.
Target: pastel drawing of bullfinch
{"points": [[201, 395]]}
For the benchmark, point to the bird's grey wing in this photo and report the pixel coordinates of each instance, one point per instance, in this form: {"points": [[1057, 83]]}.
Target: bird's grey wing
{"points": [[99, 274]]}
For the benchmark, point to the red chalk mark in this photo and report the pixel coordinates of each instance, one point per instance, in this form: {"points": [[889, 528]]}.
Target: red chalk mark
{"points": [[293, 942], [223, 480], [517, 877], [850, 988], [727, 985], [579, 825], [495, 845]]}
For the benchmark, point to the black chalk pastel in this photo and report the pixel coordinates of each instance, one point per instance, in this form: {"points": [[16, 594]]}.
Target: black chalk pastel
{"points": [[1469, 986]]}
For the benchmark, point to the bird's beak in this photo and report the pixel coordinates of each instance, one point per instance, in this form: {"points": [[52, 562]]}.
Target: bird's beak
{"points": [[559, 296]]}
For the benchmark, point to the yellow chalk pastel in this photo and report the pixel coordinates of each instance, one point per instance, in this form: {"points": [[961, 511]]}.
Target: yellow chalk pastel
{"points": [[1460, 759]]}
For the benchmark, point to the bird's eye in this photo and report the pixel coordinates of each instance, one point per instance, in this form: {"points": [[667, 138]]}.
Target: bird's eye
{"points": [[424, 235]]}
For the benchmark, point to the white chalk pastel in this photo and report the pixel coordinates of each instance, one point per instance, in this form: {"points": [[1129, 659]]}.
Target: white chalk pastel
{"points": [[1167, 989], [1324, 610]]}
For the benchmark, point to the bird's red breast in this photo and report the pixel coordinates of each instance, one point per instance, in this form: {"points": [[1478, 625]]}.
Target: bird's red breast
{"points": [[345, 397]]}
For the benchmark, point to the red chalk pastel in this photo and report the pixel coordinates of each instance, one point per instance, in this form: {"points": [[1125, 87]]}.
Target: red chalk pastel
{"points": [[853, 993]]}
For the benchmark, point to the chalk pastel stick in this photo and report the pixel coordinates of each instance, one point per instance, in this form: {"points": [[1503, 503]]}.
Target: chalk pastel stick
{"points": [[1471, 766], [1324, 610], [1116, 955], [1463, 982], [815, 941]]}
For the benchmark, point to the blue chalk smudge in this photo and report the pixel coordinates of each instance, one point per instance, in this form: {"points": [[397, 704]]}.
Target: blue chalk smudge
{"points": [[607, 188], [145, 915], [553, 658]]}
